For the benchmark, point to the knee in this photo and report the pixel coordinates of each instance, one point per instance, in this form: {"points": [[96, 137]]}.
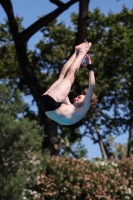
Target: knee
{"points": [[72, 71], [71, 78], [61, 77]]}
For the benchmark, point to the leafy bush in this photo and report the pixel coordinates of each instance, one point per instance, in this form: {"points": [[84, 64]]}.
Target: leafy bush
{"points": [[20, 146], [78, 179]]}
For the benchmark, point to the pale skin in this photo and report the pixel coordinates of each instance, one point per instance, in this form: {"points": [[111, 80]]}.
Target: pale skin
{"points": [[69, 113]]}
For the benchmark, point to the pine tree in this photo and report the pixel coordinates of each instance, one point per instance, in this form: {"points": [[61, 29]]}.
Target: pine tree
{"points": [[20, 146]]}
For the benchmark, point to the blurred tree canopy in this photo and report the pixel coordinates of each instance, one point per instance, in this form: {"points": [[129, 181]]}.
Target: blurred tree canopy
{"points": [[31, 83], [34, 71], [20, 145]]}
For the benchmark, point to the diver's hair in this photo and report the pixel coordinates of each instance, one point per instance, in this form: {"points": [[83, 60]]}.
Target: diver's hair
{"points": [[94, 101]]}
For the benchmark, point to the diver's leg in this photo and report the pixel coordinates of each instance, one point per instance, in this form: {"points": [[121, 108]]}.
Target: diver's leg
{"points": [[62, 89], [63, 72]]}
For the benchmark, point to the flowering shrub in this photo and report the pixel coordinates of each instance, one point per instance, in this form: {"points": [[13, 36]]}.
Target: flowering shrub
{"points": [[77, 179]]}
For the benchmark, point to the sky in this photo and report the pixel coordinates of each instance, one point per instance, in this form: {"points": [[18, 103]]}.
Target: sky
{"points": [[30, 10]]}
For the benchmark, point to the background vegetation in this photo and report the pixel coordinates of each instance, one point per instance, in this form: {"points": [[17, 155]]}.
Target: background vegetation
{"points": [[81, 179], [29, 141]]}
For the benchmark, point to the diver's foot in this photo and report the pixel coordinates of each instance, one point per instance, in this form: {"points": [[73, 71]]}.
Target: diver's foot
{"points": [[85, 46]]}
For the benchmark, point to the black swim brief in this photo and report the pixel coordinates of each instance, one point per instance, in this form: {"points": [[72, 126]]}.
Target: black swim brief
{"points": [[47, 103]]}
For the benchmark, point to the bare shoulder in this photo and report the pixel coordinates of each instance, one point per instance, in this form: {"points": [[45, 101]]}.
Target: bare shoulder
{"points": [[81, 111]]}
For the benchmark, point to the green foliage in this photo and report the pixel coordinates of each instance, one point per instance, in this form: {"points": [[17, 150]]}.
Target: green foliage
{"points": [[113, 59], [111, 52], [117, 150], [111, 37], [9, 67], [20, 146], [78, 179], [52, 51]]}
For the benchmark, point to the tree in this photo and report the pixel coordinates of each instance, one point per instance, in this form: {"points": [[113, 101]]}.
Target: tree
{"points": [[109, 38], [113, 37], [111, 97], [117, 150], [20, 147], [20, 40], [41, 61]]}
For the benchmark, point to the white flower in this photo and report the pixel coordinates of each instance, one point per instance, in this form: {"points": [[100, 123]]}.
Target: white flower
{"points": [[114, 164], [129, 190], [121, 187], [84, 158], [34, 192], [126, 190], [102, 163], [126, 197]]}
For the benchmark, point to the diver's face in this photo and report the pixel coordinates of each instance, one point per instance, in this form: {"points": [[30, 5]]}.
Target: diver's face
{"points": [[79, 99]]}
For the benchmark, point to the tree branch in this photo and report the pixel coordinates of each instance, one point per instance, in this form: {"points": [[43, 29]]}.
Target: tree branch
{"points": [[72, 152], [7, 6], [99, 139], [130, 137], [57, 2], [31, 30]]}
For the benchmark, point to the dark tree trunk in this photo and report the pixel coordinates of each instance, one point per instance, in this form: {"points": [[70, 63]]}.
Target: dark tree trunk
{"points": [[101, 144], [51, 140], [83, 21], [130, 137]]}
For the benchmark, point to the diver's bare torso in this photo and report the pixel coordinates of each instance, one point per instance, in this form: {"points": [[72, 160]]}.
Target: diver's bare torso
{"points": [[66, 114]]}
